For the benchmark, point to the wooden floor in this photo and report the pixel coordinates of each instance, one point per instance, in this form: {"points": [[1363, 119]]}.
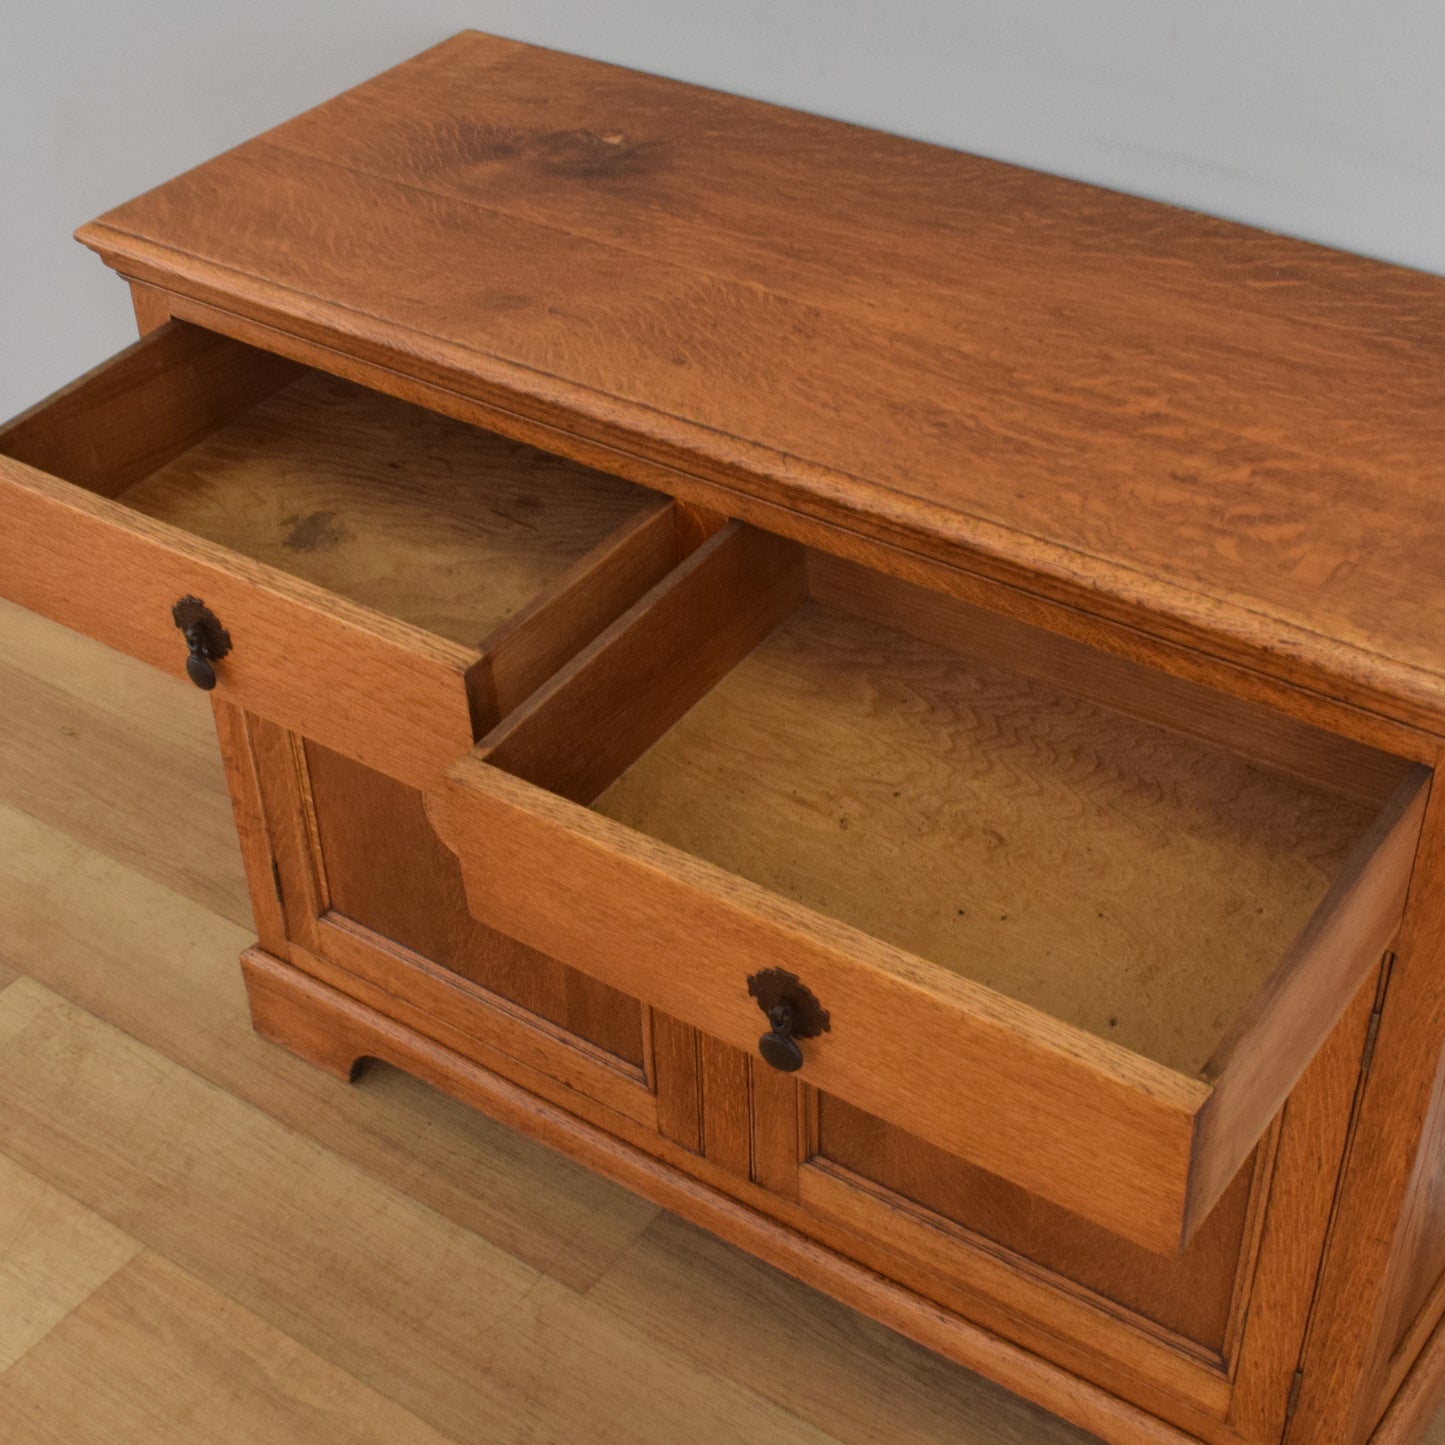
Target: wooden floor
{"points": [[203, 1240]]}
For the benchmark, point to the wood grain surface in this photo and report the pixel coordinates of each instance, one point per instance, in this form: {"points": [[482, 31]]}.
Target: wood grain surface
{"points": [[97, 743], [56, 1252], [1225, 435], [1384, 1217], [442, 525], [157, 1354], [132, 414], [608, 705], [1189, 1293]]}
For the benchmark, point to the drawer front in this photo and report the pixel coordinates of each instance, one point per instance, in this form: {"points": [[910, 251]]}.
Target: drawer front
{"points": [[1140, 1147], [387, 694], [377, 688], [1105, 1135]]}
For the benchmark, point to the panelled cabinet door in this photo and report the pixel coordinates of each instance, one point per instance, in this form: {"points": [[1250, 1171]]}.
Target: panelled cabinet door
{"points": [[1202, 1334], [374, 905]]}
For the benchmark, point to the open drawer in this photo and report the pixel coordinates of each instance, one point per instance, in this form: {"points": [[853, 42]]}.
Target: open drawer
{"points": [[389, 581], [1074, 921]]}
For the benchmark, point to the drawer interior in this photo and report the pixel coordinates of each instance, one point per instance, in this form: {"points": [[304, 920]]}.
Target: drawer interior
{"points": [[429, 520], [955, 784], [1120, 877]]}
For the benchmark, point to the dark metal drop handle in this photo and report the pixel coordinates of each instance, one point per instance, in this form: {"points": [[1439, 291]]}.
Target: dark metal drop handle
{"points": [[207, 640], [778, 1046], [793, 1013]]}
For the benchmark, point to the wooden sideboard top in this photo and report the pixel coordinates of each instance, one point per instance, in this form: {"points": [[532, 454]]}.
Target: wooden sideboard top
{"points": [[1222, 436]]}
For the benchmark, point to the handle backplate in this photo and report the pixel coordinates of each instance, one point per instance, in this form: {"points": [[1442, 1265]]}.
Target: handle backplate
{"points": [[793, 1013], [207, 640]]}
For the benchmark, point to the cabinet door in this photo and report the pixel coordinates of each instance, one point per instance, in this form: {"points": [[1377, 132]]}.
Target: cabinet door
{"points": [[1208, 1337], [374, 905]]}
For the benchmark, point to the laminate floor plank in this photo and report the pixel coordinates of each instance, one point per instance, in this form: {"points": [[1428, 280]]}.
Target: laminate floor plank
{"points": [[459, 1333], [54, 1253], [155, 1357], [122, 757], [164, 970], [860, 1381]]}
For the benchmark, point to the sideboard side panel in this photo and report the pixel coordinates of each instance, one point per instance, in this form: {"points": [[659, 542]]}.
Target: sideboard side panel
{"points": [[1384, 1227]]}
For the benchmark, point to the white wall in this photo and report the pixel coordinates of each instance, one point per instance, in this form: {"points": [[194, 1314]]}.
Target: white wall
{"points": [[1322, 118]]}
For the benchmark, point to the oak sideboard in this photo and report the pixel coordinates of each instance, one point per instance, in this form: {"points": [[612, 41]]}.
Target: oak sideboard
{"points": [[885, 700]]}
